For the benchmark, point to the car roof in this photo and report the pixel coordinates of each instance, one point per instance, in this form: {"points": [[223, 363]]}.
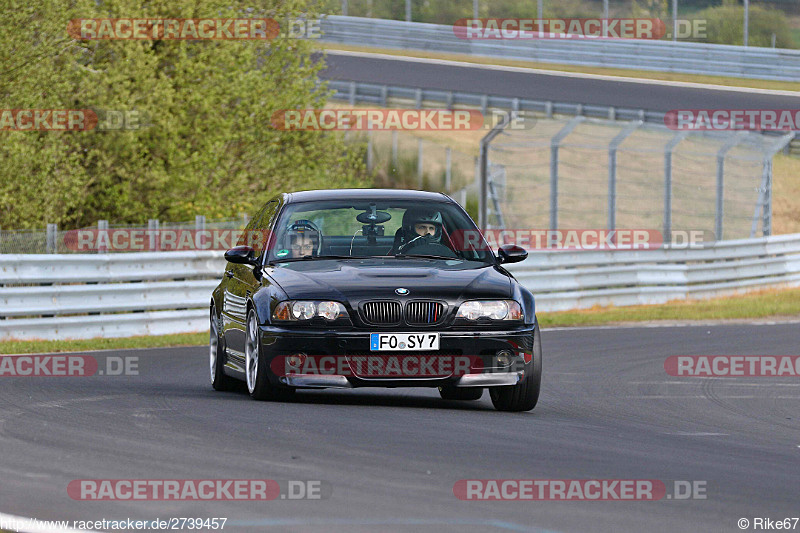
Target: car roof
{"points": [[365, 194]]}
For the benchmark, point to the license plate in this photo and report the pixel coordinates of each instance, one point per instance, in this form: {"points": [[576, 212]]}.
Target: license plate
{"points": [[379, 342]]}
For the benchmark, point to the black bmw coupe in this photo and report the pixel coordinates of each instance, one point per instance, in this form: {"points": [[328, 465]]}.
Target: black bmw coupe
{"points": [[373, 288]]}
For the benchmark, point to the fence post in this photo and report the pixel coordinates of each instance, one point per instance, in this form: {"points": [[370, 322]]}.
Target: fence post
{"points": [[554, 145], [612, 171], [200, 222], [394, 149], [102, 226], [418, 98], [369, 151], [483, 196], [52, 237], [152, 232], [352, 96], [668, 149], [720, 208], [344, 7], [448, 175], [384, 91], [764, 201]]}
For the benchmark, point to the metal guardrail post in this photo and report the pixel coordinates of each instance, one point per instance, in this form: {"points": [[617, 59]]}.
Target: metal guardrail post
{"points": [[102, 225], [418, 98], [352, 97], [200, 222], [483, 196], [554, 145], [668, 149], [720, 209], [152, 232], [52, 237], [612, 171]]}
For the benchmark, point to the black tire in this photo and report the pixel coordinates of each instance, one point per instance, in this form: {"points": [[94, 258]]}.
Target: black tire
{"points": [[258, 384], [524, 395], [216, 356], [460, 393]]}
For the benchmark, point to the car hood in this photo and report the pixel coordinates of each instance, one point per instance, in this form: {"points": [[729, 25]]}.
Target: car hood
{"points": [[354, 281]]}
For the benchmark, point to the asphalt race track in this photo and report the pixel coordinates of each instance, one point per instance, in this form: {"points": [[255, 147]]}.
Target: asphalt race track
{"points": [[409, 72], [390, 457]]}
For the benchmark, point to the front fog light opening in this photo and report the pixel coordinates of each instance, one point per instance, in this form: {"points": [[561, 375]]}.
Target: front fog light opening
{"points": [[503, 358], [294, 362]]}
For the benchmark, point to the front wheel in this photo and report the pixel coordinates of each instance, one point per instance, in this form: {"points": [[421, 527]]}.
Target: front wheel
{"points": [[524, 395], [256, 368]]}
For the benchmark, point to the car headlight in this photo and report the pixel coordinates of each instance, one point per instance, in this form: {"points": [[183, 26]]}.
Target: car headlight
{"points": [[306, 310], [491, 309]]}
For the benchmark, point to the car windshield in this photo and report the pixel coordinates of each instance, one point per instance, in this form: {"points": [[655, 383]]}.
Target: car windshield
{"points": [[377, 228]]}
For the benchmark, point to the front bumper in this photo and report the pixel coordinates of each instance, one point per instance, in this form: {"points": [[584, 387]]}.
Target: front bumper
{"points": [[517, 344], [315, 381]]}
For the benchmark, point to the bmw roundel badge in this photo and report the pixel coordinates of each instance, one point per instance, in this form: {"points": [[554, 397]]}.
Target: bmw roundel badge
{"points": [[401, 291]]}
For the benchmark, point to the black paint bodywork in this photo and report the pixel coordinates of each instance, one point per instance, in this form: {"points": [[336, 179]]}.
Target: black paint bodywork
{"points": [[261, 287]]}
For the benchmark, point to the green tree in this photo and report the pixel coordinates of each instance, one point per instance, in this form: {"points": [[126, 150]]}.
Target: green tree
{"points": [[207, 148]]}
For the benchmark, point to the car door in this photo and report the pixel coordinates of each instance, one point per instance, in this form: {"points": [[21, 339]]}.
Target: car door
{"points": [[241, 284]]}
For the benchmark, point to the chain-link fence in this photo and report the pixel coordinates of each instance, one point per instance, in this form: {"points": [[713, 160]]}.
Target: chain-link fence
{"points": [[579, 172], [52, 239]]}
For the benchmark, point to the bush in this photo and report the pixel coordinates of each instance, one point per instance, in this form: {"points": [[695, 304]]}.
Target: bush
{"points": [[726, 26]]}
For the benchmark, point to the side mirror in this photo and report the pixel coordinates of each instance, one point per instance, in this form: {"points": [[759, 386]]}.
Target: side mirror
{"points": [[511, 253], [242, 255]]}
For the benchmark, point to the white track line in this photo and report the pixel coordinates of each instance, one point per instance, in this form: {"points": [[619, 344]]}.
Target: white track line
{"points": [[34, 525], [624, 79]]}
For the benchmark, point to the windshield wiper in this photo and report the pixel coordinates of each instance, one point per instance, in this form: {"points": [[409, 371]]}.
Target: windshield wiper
{"points": [[314, 258], [426, 256]]}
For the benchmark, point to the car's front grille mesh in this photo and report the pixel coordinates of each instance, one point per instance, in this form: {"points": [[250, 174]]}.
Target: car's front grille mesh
{"points": [[382, 312], [424, 312]]}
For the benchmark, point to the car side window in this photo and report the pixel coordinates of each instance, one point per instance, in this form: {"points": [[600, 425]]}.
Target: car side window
{"points": [[266, 223]]}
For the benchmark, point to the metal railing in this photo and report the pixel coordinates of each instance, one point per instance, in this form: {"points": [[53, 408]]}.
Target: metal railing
{"points": [[60, 296], [662, 56], [54, 296], [563, 280]]}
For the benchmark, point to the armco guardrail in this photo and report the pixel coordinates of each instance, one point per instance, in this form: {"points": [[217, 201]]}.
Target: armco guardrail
{"points": [[663, 56], [59, 296], [564, 280], [120, 295]]}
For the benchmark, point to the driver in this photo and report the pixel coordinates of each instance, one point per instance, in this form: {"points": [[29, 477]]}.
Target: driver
{"points": [[420, 226], [303, 238]]}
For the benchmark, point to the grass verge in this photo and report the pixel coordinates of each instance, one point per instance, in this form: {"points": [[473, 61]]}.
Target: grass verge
{"points": [[771, 303], [628, 73], [80, 345]]}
